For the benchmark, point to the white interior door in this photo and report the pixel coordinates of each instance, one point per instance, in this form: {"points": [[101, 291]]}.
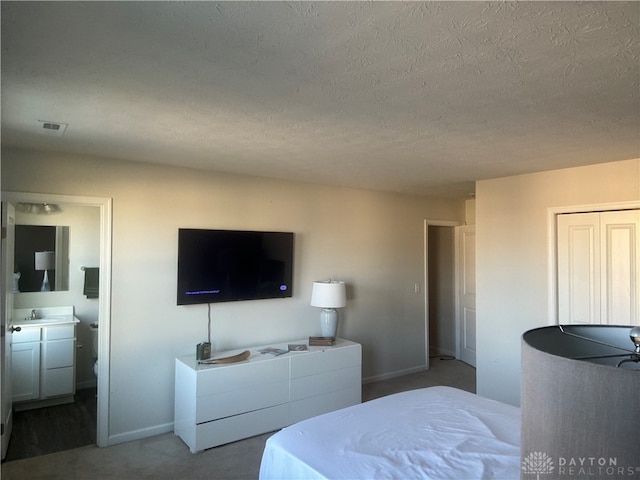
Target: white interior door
{"points": [[599, 267], [579, 268], [620, 271], [6, 321], [466, 287]]}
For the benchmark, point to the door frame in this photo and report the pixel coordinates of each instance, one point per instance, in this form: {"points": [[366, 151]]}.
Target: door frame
{"points": [[104, 297], [427, 224], [552, 249]]}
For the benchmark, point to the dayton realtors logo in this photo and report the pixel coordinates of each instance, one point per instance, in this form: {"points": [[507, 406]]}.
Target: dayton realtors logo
{"points": [[537, 463], [540, 464]]}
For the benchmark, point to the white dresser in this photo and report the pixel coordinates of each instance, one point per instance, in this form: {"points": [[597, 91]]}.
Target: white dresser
{"points": [[218, 404]]}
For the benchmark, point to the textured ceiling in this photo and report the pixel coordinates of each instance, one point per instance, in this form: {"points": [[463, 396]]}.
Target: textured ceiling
{"points": [[412, 97]]}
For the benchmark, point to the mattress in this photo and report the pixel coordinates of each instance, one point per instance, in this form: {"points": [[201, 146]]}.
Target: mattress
{"points": [[430, 433]]}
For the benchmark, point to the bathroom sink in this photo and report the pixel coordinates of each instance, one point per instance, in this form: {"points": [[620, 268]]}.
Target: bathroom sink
{"points": [[49, 320]]}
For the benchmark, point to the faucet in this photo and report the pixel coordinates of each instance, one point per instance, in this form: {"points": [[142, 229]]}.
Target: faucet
{"points": [[33, 314]]}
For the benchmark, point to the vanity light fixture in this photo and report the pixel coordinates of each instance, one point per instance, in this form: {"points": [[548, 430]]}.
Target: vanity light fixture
{"points": [[38, 208]]}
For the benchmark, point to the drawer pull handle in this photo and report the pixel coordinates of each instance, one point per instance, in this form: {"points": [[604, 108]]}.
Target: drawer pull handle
{"points": [[15, 329]]}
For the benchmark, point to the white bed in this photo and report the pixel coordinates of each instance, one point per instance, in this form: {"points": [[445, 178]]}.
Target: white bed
{"points": [[434, 433]]}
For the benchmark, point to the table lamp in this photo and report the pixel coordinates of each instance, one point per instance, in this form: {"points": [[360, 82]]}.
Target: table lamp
{"points": [[580, 387], [329, 295], [45, 261]]}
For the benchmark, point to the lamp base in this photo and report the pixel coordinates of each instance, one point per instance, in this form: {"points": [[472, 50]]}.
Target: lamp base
{"points": [[45, 283], [329, 322]]}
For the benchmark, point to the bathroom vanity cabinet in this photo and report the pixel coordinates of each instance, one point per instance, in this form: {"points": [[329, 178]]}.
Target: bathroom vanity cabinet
{"points": [[43, 364]]}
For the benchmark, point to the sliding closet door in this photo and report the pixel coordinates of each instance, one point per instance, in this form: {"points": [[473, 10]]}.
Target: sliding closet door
{"points": [[599, 267], [579, 268]]}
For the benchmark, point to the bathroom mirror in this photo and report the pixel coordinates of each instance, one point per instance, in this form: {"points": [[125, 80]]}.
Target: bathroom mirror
{"points": [[30, 239]]}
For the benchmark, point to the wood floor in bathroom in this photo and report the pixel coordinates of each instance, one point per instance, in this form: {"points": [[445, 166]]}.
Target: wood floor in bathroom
{"points": [[53, 429]]}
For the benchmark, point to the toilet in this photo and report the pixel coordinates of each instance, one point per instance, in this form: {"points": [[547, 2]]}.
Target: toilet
{"points": [[94, 346]]}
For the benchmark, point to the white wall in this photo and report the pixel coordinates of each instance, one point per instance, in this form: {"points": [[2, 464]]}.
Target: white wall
{"points": [[373, 241], [512, 270], [470, 212]]}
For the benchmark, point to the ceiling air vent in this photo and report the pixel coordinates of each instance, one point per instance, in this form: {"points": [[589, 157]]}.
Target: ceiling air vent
{"points": [[56, 129]]}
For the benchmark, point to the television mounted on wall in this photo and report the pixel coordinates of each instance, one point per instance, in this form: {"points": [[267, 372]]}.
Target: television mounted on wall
{"points": [[233, 265]]}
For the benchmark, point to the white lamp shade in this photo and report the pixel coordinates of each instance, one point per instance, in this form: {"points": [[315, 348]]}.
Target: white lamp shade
{"points": [[45, 260], [329, 294]]}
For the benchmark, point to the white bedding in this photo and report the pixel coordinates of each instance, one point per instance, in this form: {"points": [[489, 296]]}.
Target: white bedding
{"points": [[434, 433]]}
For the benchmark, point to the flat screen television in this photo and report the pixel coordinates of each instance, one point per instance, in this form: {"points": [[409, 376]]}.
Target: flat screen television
{"points": [[233, 265]]}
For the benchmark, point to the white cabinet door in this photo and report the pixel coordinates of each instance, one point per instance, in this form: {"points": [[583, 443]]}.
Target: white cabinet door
{"points": [[25, 370], [57, 381], [58, 353], [599, 267]]}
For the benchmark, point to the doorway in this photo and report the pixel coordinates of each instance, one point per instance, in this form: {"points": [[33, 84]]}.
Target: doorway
{"points": [[103, 237], [439, 274], [441, 292]]}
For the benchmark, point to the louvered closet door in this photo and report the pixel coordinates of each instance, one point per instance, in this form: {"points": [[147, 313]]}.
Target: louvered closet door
{"points": [[599, 267]]}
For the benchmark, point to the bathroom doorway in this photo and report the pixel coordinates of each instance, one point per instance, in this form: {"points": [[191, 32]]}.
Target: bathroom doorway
{"points": [[89, 248]]}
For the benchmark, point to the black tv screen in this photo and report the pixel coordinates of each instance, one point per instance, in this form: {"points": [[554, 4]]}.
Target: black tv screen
{"points": [[232, 265]]}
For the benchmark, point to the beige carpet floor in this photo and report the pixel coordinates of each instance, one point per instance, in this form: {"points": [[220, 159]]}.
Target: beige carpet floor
{"points": [[167, 457]]}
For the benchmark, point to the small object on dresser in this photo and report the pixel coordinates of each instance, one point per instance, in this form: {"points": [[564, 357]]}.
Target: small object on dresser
{"points": [[322, 341], [297, 347], [273, 351], [203, 351], [231, 359]]}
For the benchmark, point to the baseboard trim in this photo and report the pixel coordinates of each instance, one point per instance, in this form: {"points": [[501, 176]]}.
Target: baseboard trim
{"points": [[140, 434], [397, 373]]}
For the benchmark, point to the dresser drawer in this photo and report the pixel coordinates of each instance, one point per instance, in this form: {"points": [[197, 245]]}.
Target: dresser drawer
{"points": [[227, 404], [243, 376], [327, 402], [230, 429], [315, 362], [311, 386]]}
